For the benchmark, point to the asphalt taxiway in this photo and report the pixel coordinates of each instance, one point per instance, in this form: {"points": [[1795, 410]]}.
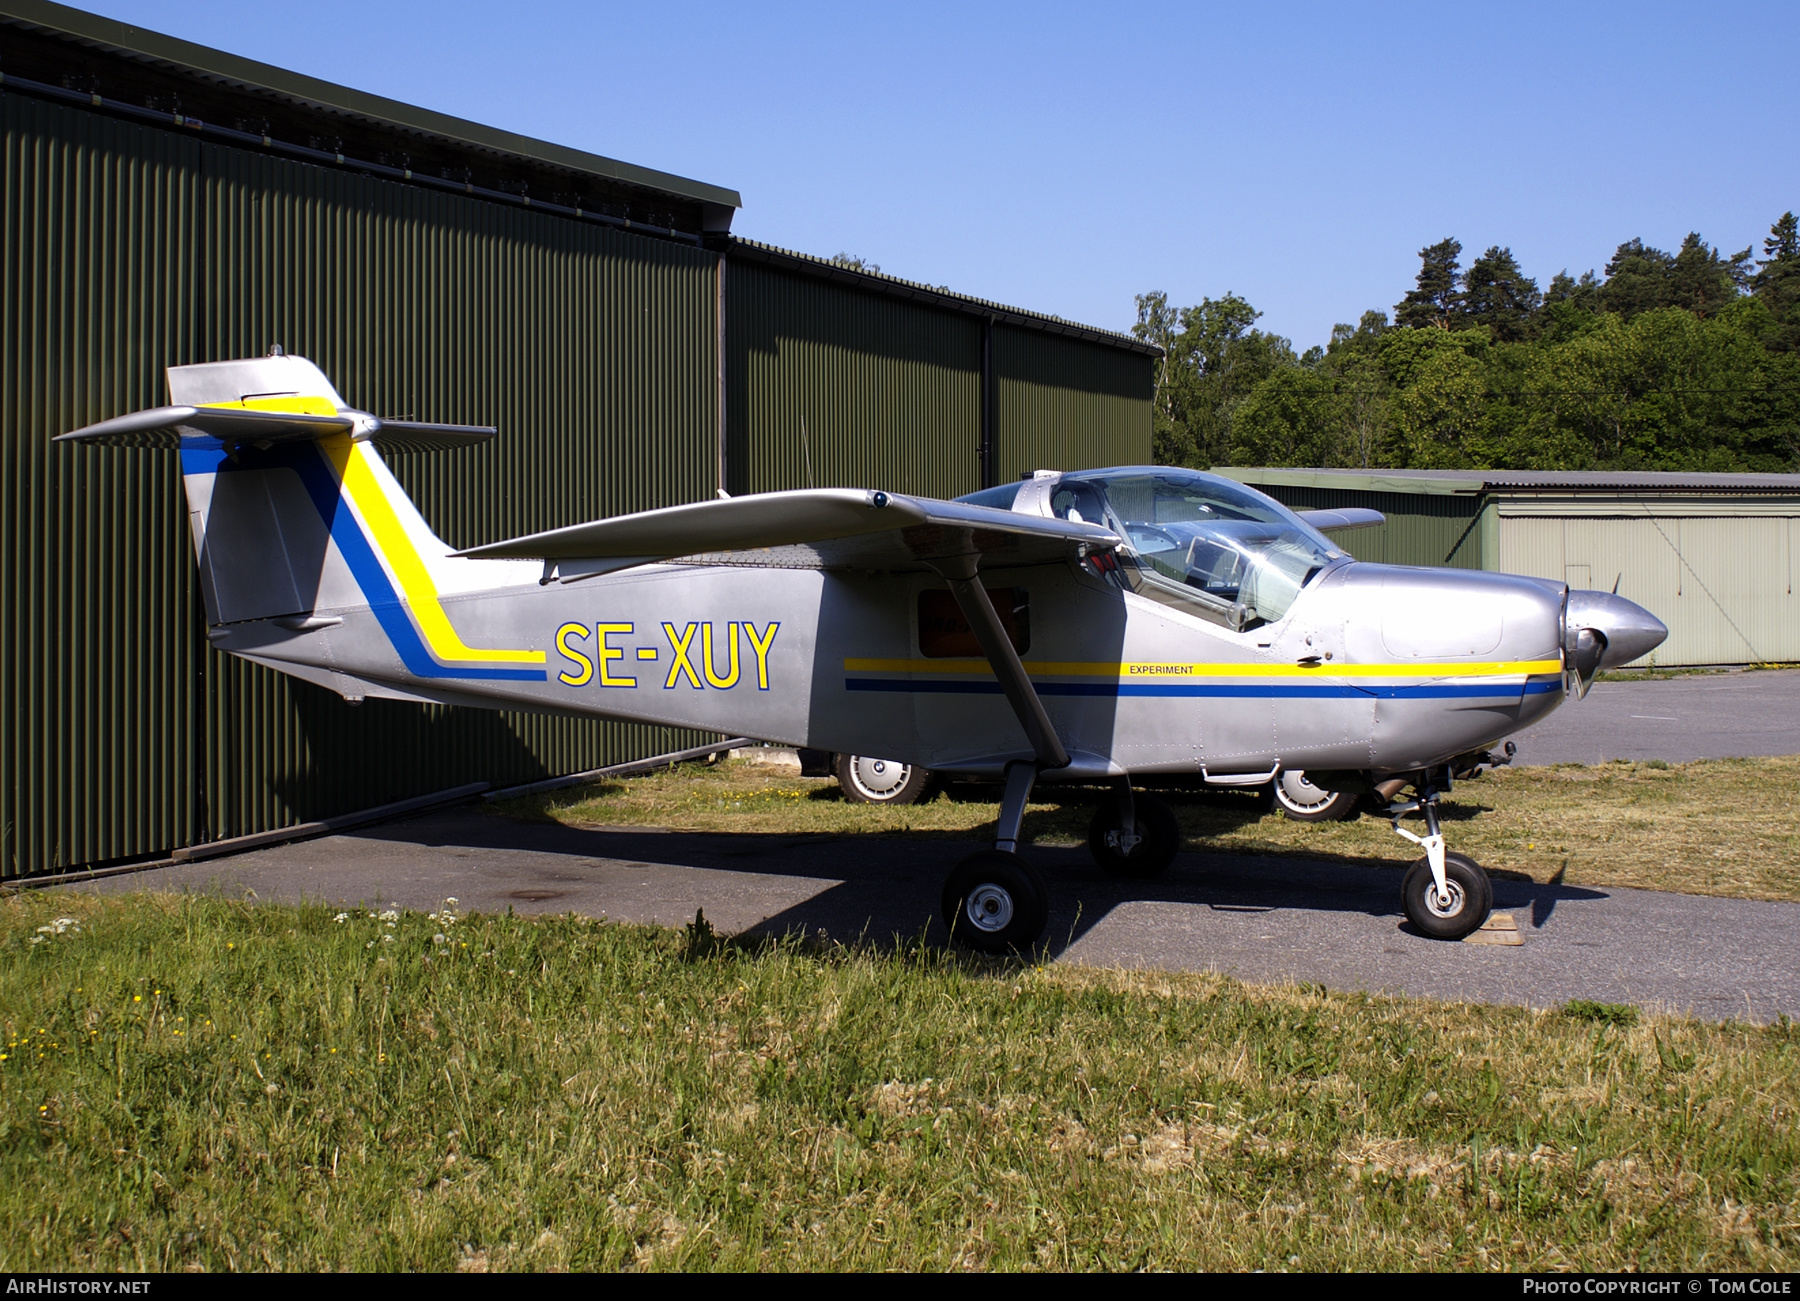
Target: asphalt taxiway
{"points": [[1263, 919]]}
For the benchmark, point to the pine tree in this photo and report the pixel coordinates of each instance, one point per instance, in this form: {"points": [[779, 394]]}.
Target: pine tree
{"points": [[1638, 279], [1436, 300], [1497, 294], [1703, 279], [1783, 243], [1777, 284]]}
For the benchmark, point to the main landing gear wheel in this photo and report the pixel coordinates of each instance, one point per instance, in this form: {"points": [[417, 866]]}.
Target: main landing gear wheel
{"points": [[995, 902], [1471, 897], [881, 781], [1145, 848], [1300, 801]]}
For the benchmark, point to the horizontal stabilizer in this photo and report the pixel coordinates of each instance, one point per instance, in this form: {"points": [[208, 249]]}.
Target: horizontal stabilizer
{"points": [[164, 426], [816, 528], [1350, 517], [420, 436]]}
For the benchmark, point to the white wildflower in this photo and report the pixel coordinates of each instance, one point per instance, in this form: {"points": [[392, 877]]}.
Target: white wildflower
{"points": [[341, 917], [37, 939], [438, 938], [387, 939], [389, 915]]}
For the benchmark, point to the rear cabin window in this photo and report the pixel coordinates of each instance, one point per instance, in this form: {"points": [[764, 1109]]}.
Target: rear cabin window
{"points": [[945, 634]]}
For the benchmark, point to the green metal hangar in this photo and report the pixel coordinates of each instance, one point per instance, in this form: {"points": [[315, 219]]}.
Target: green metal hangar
{"points": [[164, 203], [1711, 555]]}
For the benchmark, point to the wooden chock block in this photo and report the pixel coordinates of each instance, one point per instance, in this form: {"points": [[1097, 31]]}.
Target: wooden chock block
{"points": [[1499, 928]]}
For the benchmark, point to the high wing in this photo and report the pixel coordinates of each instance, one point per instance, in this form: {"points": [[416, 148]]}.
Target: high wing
{"points": [[1348, 517], [846, 528], [164, 426], [813, 528]]}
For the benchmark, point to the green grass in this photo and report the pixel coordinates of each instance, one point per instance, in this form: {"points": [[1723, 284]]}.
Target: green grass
{"points": [[199, 1083], [1719, 827]]}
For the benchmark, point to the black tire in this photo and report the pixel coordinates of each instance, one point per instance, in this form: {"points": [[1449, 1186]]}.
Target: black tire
{"points": [[1472, 896], [1300, 801], [995, 902], [1159, 838], [881, 781]]}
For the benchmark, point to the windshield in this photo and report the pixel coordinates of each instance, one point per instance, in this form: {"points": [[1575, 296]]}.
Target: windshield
{"points": [[1199, 542]]}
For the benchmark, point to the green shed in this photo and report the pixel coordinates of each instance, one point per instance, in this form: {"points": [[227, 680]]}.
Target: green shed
{"points": [[1711, 555]]}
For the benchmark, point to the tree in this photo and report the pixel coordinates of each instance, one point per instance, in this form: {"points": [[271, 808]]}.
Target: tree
{"points": [[1583, 294], [1292, 417], [1172, 443], [1440, 407], [1497, 294], [1434, 300], [1703, 280], [1638, 279], [1212, 357], [1777, 285]]}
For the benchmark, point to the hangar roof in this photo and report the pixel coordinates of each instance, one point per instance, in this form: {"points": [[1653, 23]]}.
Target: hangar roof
{"points": [[131, 65], [1451, 482]]}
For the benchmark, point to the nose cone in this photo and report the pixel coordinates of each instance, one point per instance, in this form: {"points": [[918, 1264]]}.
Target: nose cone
{"points": [[1627, 630]]}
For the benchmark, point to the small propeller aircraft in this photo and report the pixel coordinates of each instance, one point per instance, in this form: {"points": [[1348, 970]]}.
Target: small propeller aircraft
{"points": [[1089, 627]]}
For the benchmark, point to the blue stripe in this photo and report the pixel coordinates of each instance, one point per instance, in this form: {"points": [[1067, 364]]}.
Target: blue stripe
{"points": [[308, 461], [1210, 690]]}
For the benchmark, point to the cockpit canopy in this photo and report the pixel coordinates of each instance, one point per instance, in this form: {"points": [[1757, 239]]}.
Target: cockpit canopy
{"points": [[1197, 542]]}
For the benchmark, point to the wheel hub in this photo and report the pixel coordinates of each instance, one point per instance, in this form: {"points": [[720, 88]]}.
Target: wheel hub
{"points": [[1124, 841], [989, 908], [878, 778], [1447, 904], [1302, 794]]}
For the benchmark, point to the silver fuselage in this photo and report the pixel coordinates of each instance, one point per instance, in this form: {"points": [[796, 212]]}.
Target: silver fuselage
{"points": [[1375, 668]]}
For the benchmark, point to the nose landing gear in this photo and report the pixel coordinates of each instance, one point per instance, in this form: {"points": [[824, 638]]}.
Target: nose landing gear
{"points": [[1446, 895]]}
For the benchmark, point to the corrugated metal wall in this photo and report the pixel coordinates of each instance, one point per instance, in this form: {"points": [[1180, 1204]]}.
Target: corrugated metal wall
{"points": [[1068, 405], [1689, 572], [1421, 529], [128, 249], [101, 649], [880, 393]]}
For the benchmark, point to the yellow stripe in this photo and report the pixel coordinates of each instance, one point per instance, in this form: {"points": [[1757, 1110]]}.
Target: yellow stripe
{"points": [[1166, 670], [403, 559], [292, 406]]}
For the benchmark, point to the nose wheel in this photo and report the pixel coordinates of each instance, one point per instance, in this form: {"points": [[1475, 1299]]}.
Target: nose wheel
{"points": [[1461, 907], [1446, 895]]}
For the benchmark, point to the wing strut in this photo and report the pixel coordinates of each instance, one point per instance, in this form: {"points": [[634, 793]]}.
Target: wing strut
{"points": [[972, 598]]}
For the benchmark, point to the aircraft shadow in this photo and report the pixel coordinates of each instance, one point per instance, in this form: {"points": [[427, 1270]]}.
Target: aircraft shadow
{"points": [[888, 887]]}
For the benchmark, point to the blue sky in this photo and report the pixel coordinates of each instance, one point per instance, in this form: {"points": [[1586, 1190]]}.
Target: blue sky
{"points": [[1065, 157]]}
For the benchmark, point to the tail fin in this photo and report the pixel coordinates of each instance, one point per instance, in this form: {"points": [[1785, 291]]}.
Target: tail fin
{"points": [[293, 511]]}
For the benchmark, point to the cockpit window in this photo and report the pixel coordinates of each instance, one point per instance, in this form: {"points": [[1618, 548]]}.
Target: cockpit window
{"points": [[1201, 543]]}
